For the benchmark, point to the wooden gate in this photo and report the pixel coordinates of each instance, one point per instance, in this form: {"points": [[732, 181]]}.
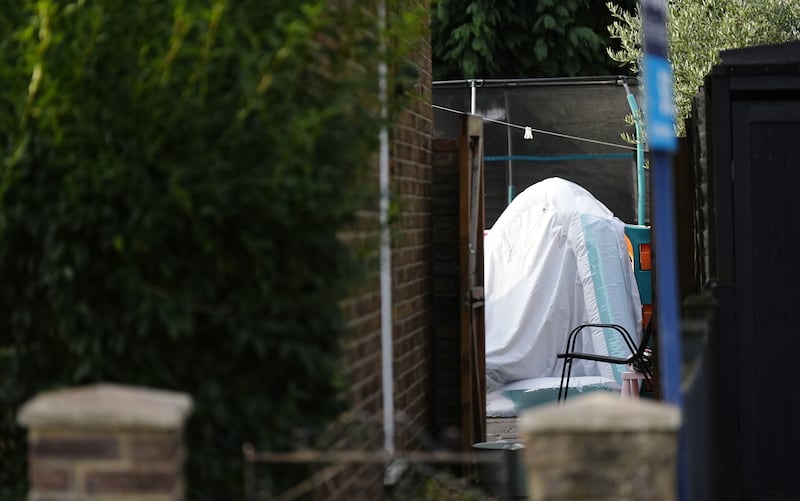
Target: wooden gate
{"points": [[767, 246], [472, 329], [754, 107]]}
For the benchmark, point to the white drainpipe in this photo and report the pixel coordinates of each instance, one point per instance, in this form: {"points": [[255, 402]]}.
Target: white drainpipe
{"points": [[387, 358]]}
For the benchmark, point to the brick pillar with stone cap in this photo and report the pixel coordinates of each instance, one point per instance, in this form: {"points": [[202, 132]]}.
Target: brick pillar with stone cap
{"points": [[598, 447], [105, 442]]}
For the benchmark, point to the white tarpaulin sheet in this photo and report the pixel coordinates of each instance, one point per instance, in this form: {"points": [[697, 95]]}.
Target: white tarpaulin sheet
{"points": [[556, 258]]}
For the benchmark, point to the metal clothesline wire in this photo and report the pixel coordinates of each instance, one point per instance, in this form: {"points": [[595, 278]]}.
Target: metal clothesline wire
{"points": [[540, 131]]}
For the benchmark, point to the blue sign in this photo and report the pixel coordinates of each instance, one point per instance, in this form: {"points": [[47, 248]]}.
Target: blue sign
{"points": [[660, 116], [660, 110]]}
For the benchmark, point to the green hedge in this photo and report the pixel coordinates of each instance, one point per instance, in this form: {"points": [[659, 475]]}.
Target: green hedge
{"points": [[174, 175]]}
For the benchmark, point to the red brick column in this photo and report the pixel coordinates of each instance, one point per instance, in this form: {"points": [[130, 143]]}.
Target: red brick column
{"points": [[105, 442]]}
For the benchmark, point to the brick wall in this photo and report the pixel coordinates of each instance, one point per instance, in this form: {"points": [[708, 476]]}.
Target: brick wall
{"points": [[446, 347], [412, 295], [106, 443], [412, 263]]}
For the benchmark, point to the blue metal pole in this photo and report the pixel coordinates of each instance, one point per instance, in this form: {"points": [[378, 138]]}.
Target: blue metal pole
{"points": [[667, 296], [666, 262], [660, 122]]}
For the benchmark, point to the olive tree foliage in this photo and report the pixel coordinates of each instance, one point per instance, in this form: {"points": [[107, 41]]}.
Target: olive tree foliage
{"points": [[520, 38], [698, 30], [174, 178]]}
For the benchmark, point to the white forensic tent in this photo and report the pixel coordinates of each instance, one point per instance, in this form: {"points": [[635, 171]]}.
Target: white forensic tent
{"points": [[554, 259]]}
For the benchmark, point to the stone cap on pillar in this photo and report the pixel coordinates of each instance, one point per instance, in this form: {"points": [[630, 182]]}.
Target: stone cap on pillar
{"points": [[601, 412], [106, 406]]}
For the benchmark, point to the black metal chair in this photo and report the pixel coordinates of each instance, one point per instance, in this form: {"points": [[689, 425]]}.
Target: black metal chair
{"points": [[640, 358]]}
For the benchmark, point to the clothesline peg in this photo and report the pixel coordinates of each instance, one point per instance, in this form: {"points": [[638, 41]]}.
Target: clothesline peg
{"points": [[528, 133]]}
